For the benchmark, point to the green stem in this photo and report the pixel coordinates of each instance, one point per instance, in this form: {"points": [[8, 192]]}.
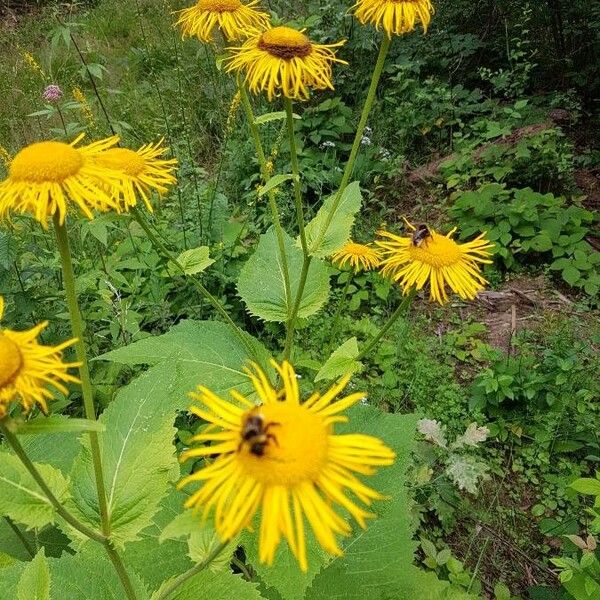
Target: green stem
{"points": [[338, 313], [402, 309], [383, 52], [115, 559], [262, 161], [18, 449], [289, 339], [84, 372], [191, 572], [162, 249], [21, 536]]}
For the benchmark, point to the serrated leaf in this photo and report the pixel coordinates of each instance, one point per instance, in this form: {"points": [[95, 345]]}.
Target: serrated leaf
{"points": [[273, 116], [219, 585], [89, 575], [324, 240], [21, 498], [204, 352], [378, 558], [261, 282], [137, 458], [193, 261], [153, 560], [274, 182], [341, 362], [587, 485], [34, 583], [201, 538]]}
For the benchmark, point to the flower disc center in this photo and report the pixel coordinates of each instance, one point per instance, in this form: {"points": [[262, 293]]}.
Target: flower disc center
{"points": [[285, 42], [219, 5], [296, 448], [11, 361], [437, 251], [46, 162], [122, 159]]}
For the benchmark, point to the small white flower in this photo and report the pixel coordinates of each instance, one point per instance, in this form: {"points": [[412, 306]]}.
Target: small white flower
{"points": [[327, 144]]}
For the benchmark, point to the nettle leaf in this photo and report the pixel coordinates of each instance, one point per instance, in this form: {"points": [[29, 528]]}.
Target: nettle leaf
{"points": [[342, 361], [21, 498], [216, 585], [193, 261], [153, 558], [204, 352], [137, 457], [89, 574], [261, 282], [323, 242], [378, 558], [34, 583]]}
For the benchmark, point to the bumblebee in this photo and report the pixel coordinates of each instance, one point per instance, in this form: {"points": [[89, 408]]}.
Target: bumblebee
{"points": [[420, 234], [256, 433]]}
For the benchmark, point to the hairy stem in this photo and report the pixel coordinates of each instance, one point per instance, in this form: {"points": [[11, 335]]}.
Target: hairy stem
{"points": [[362, 124], [289, 340], [177, 582], [84, 372], [402, 309], [262, 161]]}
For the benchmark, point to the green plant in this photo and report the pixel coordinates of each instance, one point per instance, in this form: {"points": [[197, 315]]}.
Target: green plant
{"points": [[531, 228]]}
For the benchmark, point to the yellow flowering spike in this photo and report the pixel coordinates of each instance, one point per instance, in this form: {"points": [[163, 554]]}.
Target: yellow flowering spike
{"points": [[235, 20], [45, 178], [361, 257], [435, 259], [282, 458], [28, 368], [284, 61], [142, 171], [395, 17]]}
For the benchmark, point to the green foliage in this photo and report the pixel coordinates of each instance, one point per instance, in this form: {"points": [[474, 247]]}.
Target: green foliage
{"points": [[34, 583], [528, 227], [341, 362], [262, 287]]}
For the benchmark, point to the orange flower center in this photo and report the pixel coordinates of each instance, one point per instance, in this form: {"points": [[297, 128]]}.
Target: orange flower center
{"points": [[296, 446], [437, 251], [46, 162], [122, 159], [11, 361], [220, 6], [285, 42]]}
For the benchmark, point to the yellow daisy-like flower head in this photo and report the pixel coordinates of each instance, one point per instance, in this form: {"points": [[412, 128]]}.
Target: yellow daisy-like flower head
{"points": [[143, 170], [283, 458], [429, 257], [395, 17], [27, 368], [45, 178], [236, 21], [284, 61], [361, 257]]}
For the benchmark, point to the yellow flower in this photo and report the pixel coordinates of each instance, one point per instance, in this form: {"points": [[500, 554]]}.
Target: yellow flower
{"points": [[394, 16], [236, 21], [143, 171], [80, 98], [284, 61], [284, 457], [428, 256], [361, 257], [45, 177], [27, 368]]}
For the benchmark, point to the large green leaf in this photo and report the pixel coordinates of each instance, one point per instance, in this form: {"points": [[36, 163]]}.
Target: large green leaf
{"points": [[219, 585], [376, 560], [204, 352], [261, 282], [137, 457], [34, 583], [89, 575], [342, 361], [21, 498], [155, 560], [9, 579], [324, 240]]}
